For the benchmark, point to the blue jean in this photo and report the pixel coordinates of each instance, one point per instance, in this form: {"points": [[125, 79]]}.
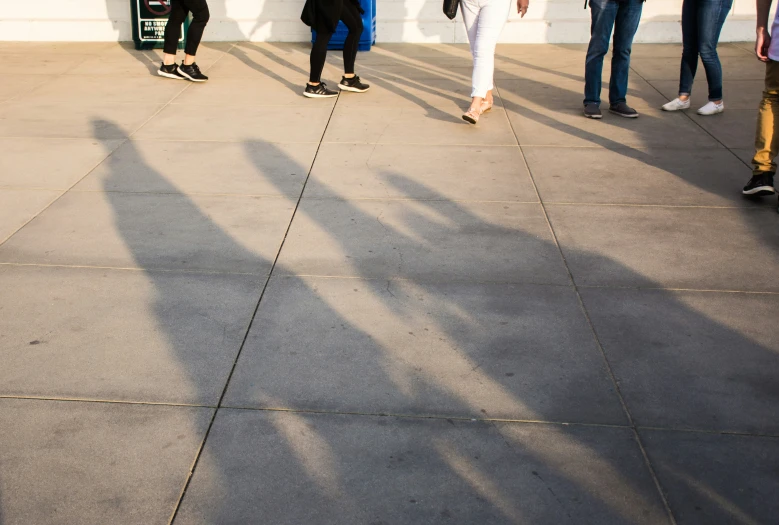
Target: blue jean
{"points": [[702, 22], [621, 17]]}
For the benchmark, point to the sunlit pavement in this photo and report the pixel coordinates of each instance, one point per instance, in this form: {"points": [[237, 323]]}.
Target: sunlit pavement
{"points": [[229, 304]]}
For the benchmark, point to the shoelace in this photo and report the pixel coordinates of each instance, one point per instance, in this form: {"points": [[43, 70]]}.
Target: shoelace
{"points": [[195, 68]]}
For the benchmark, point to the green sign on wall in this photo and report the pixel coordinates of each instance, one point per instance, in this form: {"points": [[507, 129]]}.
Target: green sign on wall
{"points": [[149, 20]]}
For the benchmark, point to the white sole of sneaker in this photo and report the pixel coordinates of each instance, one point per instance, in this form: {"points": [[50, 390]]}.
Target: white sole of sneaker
{"points": [[315, 95], [353, 90], [169, 75], [189, 77], [594, 117], [760, 190], [707, 113], [675, 108]]}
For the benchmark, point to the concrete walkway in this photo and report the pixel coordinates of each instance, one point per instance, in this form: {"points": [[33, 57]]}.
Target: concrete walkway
{"points": [[364, 311]]}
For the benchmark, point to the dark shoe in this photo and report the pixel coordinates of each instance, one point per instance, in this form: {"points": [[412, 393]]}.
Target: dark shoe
{"points": [[592, 110], [319, 91], [171, 71], [759, 185], [192, 73], [353, 84], [623, 110]]}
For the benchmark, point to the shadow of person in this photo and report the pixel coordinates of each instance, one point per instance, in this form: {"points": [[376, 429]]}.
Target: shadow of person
{"points": [[405, 377], [397, 343]]}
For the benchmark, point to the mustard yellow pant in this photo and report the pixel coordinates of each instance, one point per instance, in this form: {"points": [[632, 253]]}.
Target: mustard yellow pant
{"points": [[767, 136]]}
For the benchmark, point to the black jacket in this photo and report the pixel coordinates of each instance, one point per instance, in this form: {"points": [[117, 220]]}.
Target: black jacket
{"points": [[323, 15]]}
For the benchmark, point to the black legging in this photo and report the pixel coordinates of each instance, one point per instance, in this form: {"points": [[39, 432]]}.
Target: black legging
{"points": [[353, 20], [178, 13]]}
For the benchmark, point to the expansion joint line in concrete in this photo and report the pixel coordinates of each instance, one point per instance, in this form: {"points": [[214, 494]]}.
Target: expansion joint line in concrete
{"points": [[251, 321], [634, 72], [582, 306]]}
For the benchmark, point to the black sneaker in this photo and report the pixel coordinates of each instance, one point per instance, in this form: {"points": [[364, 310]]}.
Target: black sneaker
{"points": [[623, 110], [592, 110], [171, 71], [192, 73], [353, 84], [319, 91], [759, 185]]}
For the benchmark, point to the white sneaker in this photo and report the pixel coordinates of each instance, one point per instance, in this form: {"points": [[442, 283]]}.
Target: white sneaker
{"points": [[676, 105], [712, 109]]}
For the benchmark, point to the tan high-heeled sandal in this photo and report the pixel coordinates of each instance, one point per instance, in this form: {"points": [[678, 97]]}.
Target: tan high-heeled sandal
{"points": [[472, 115], [486, 106]]}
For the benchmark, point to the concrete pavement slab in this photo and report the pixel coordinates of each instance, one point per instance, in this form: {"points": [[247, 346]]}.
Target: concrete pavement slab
{"points": [[738, 94], [714, 478], [639, 176], [697, 360], [155, 231], [421, 70], [321, 469], [13, 64], [423, 241], [746, 155], [88, 89], [125, 60], [699, 248], [49, 163], [17, 207], [736, 67], [246, 62], [54, 48], [86, 463], [411, 171], [422, 125], [255, 92], [171, 338], [157, 166], [565, 93], [99, 121], [265, 123], [735, 128], [444, 97], [452, 350], [540, 126], [671, 51], [16, 85]]}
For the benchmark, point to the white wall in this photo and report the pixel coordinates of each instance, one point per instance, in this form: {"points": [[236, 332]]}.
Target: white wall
{"points": [[556, 21]]}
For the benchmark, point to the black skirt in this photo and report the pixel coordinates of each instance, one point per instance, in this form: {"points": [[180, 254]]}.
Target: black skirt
{"points": [[323, 15]]}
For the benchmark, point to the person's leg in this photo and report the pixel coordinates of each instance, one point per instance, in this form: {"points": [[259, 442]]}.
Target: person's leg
{"points": [[603, 14], [352, 19], [470, 10], [178, 13], [492, 18], [318, 56], [711, 18], [625, 26], [690, 48], [200, 17], [767, 135]]}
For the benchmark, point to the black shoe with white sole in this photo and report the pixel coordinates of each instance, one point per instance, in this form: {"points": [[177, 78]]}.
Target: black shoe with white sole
{"points": [[623, 110], [319, 91], [592, 110], [353, 84], [192, 72], [760, 185], [171, 71]]}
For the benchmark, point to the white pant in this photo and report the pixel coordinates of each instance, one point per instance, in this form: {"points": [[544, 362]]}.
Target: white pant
{"points": [[484, 20]]}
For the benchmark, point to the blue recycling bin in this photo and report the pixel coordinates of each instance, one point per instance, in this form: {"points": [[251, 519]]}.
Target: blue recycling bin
{"points": [[368, 37]]}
